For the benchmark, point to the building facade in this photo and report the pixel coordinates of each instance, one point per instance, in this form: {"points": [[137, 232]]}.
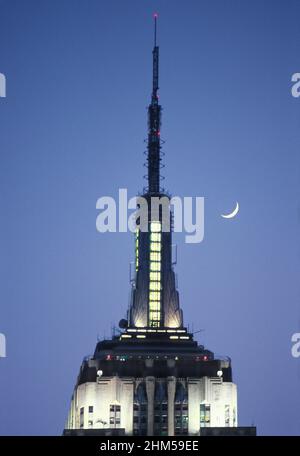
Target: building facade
{"points": [[154, 406]]}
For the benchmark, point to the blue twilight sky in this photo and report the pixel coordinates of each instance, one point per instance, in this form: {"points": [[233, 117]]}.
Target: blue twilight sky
{"points": [[72, 128]]}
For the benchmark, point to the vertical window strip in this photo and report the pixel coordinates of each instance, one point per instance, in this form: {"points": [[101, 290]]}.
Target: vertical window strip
{"points": [[137, 249], [155, 275]]}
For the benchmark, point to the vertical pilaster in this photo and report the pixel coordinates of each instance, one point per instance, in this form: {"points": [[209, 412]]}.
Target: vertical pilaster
{"points": [[171, 397], [150, 388]]}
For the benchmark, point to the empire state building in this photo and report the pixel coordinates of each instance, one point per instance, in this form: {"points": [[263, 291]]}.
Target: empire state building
{"points": [[153, 378]]}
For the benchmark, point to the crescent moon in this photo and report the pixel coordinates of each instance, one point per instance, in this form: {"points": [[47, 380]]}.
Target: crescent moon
{"points": [[233, 213]]}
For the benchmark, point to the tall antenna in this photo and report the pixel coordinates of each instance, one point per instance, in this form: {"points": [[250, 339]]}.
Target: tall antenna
{"points": [[155, 27], [155, 61], [154, 114]]}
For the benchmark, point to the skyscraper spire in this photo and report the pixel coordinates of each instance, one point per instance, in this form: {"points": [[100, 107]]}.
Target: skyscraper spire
{"points": [[155, 299], [154, 122]]}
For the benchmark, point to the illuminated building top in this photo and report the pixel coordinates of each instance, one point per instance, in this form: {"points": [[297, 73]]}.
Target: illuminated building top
{"points": [[155, 301]]}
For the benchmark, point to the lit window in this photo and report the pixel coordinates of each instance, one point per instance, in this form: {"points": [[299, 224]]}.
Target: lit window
{"points": [[155, 246], [115, 414], [137, 250], [81, 421], [155, 315], [155, 256], [154, 296], [155, 227], [204, 415], [154, 286], [154, 305], [227, 415], [155, 237], [155, 276], [154, 266], [154, 324]]}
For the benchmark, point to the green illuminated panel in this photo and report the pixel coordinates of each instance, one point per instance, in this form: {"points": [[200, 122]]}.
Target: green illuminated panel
{"points": [[137, 250], [154, 323], [154, 306], [154, 266], [155, 275], [155, 256], [155, 315], [155, 237], [155, 286], [154, 295], [155, 227], [155, 246]]}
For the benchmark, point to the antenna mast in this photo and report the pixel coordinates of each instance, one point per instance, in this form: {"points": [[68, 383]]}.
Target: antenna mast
{"points": [[154, 115]]}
